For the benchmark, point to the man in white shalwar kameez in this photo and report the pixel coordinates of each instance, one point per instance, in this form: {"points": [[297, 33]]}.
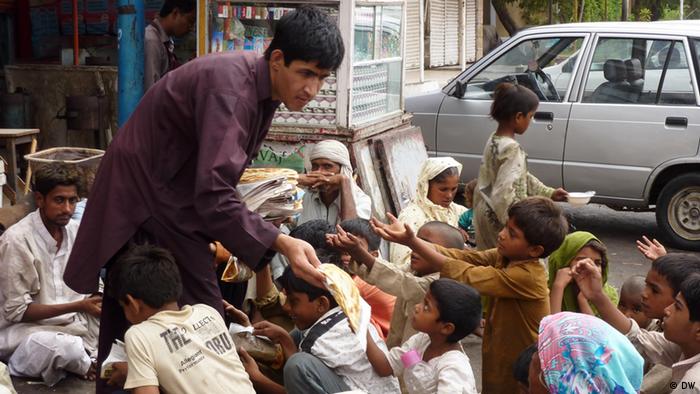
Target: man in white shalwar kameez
{"points": [[46, 329]]}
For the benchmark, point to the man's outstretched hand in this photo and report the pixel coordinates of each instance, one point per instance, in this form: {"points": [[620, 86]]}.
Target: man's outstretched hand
{"points": [[302, 258]]}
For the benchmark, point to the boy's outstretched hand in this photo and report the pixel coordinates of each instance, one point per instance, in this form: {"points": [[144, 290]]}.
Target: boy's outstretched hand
{"points": [[652, 250], [344, 241], [395, 231], [588, 278]]}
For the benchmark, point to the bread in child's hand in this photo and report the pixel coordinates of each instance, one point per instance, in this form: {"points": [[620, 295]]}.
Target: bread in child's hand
{"points": [[345, 293]]}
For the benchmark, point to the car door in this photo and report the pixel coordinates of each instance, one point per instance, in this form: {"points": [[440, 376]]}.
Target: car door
{"points": [[543, 62], [615, 139]]}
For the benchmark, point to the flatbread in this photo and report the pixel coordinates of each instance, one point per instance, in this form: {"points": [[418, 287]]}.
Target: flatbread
{"points": [[345, 292], [251, 175]]}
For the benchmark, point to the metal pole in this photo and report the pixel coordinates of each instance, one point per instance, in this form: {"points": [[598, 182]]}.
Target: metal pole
{"points": [[130, 22], [625, 11], [681, 9], [549, 13]]}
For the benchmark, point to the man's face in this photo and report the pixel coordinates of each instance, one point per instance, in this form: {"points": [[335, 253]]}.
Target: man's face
{"points": [[58, 205], [183, 23], [657, 295], [512, 243], [325, 165], [296, 84]]}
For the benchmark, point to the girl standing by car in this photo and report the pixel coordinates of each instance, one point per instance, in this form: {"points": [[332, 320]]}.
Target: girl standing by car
{"points": [[503, 175]]}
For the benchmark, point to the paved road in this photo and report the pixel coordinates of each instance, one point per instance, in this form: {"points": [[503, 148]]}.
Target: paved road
{"points": [[618, 230]]}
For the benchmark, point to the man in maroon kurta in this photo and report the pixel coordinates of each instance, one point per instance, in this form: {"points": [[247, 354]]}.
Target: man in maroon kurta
{"points": [[169, 175]]}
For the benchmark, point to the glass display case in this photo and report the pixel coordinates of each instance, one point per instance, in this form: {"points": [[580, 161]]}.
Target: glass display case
{"points": [[368, 86]]}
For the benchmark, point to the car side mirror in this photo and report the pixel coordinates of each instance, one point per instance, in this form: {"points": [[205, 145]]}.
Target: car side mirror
{"points": [[460, 89]]}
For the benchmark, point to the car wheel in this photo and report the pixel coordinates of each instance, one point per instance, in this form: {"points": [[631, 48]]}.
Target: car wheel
{"points": [[678, 211]]}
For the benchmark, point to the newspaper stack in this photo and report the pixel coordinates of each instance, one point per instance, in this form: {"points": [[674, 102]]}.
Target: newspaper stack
{"points": [[271, 192]]}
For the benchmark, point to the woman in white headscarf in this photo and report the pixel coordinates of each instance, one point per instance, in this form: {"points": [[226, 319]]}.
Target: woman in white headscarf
{"points": [[435, 192], [332, 193]]}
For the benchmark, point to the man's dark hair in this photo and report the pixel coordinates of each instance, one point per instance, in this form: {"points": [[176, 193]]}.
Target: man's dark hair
{"points": [[541, 221], [446, 173], [147, 273], [509, 99], [310, 35], [676, 267], [451, 237], [293, 284], [314, 232], [361, 228], [458, 304], [521, 368], [690, 288], [50, 175], [184, 6]]}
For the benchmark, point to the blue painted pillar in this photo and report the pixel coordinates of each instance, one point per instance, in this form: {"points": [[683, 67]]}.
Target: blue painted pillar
{"points": [[130, 34]]}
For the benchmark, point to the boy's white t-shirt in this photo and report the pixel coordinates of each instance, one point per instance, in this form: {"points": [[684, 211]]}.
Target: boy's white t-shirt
{"points": [[185, 351], [449, 373]]}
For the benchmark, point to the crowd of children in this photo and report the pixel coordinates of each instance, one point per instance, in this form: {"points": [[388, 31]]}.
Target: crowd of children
{"points": [[537, 295]]}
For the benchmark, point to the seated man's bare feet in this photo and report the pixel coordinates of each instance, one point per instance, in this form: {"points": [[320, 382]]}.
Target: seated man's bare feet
{"points": [[91, 374]]}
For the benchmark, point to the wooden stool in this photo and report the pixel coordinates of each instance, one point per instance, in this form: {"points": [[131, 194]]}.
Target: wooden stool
{"points": [[14, 137]]}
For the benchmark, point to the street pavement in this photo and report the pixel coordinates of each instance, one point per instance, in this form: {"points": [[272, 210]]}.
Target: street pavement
{"points": [[618, 230]]}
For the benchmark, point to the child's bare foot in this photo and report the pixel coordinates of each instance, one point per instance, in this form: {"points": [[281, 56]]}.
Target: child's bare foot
{"points": [[91, 374]]}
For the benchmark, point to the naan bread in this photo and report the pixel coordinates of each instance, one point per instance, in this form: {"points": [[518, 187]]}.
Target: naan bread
{"points": [[345, 292], [251, 175]]}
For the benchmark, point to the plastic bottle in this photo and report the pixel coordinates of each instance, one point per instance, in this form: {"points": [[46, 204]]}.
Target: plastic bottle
{"points": [[416, 373]]}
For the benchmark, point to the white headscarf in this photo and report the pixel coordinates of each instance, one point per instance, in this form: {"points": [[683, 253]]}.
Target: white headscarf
{"points": [[432, 168], [336, 152]]}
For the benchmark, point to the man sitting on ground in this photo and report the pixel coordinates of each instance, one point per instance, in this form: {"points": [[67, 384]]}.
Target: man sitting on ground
{"points": [[46, 329], [332, 193]]}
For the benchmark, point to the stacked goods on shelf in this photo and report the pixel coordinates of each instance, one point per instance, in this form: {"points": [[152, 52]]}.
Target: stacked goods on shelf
{"points": [[271, 192]]}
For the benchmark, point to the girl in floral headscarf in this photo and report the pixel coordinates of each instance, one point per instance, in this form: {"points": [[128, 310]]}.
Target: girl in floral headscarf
{"points": [[579, 353], [435, 192], [564, 294]]}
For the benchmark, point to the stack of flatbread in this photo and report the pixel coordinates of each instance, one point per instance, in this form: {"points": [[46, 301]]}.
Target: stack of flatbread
{"points": [[271, 192]]}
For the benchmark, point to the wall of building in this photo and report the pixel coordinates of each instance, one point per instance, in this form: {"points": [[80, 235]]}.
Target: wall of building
{"points": [[49, 85]]}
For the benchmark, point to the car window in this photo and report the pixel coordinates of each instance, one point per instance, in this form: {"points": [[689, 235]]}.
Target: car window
{"points": [[639, 71], [544, 65]]}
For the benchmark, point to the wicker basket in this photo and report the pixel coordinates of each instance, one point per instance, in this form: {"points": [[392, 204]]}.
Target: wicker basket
{"points": [[85, 160]]}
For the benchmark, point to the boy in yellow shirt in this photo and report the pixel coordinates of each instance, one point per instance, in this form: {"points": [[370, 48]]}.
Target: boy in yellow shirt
{"points": [[510, 276]]}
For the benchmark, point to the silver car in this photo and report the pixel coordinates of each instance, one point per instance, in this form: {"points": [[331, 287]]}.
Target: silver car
{"points": [[618, 114]]}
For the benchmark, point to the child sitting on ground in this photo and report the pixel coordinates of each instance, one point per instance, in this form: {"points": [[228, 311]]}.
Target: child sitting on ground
{"points": [[661, 298], [409, 284], [176, 350], [325, 355], [449, 312], [564, 295], [510, 276]]}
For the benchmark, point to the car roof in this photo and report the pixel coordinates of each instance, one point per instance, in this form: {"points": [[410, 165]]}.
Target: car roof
{"points": [[682, 27]]}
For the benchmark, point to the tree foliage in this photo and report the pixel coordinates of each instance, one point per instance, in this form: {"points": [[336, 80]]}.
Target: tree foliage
{"points": [[535, 12]]}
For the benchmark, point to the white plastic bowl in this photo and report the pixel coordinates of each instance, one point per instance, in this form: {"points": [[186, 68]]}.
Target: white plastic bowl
{"points": [[579, 199]]}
